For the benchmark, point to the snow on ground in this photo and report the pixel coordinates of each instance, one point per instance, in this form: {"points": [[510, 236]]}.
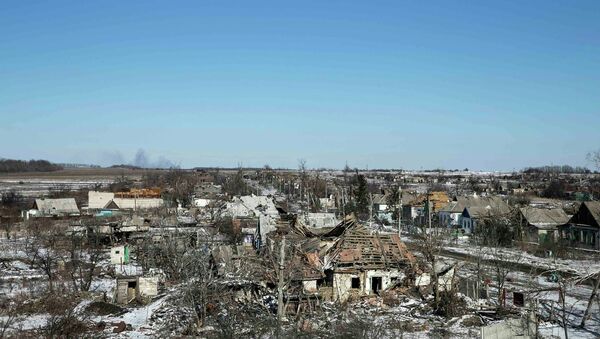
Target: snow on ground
{"points": [[13, 248], [581, 267], [29, 322], [576, 299], [128, 269], [35, 187], [107, 285], [138, 318], [549, 330], [464, 247]]}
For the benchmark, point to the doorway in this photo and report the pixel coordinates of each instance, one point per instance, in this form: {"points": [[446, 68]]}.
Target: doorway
{"points": [[376, 284]]}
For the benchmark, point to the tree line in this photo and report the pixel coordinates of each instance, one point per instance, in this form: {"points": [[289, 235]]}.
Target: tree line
{"points": [[558, 169], [12, 166]]}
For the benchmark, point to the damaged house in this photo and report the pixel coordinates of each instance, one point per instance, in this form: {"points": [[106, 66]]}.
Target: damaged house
{"points": [[349, 260], [251, 206], [362, 263]]}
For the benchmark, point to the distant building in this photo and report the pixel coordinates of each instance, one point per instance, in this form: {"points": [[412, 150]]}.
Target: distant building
{"points": [[542, 224], [122, 201], [53, 207], [486, 208], [451, 214], [415, 210], [583, 229]]}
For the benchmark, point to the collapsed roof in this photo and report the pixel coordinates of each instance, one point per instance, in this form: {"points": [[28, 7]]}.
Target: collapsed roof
{"points": [[324, 232], [360, 249]]}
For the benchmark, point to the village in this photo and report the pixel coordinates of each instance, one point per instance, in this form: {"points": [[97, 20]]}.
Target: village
{"points": [[263, 252]]}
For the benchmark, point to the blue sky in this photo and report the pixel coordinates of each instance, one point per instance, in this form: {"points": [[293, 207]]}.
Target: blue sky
{"points": [[485, 85]]}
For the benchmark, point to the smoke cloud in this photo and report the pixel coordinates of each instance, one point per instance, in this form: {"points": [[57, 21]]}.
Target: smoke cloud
{"points": [[141, 159]]}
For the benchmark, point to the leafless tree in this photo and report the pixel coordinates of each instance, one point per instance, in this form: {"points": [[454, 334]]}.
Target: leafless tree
{"points": [[45, 247], [430, 244], [303, 178], [594, 158], [503, 264], [8, 317], [84, 255]]}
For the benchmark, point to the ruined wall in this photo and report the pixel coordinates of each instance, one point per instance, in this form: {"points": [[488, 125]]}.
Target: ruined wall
{"points": [[310, 286], [148, 287], [342, 286], [342, 282]]}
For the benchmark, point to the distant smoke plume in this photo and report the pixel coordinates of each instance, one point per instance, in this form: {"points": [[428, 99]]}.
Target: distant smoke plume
{"points": [[142, 160]]}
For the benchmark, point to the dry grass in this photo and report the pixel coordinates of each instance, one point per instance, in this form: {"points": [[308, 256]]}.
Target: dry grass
{"points": [[81, 173]]}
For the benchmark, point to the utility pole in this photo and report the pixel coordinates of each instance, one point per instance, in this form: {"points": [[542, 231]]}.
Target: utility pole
{"points": [[280, 306], [371, 210], [429, 212], [399, 210], [307, 200], [343, 203], [327, 197]]}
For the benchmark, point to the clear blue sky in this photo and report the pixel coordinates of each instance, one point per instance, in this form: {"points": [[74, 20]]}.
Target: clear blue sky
{"points": [[398, 84]]}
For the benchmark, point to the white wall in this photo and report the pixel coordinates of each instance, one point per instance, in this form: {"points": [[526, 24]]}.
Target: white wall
{"points": [[201, 202], [117, 254], [310, 286], [342, 282], [97, 200], [148, 287]]}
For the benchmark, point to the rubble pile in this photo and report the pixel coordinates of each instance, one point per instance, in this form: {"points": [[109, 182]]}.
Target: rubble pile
{"points": [[172, 320]]}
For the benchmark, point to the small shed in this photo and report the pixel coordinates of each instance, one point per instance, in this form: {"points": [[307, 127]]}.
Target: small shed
{"points": [[130, 288], [119, 255]]}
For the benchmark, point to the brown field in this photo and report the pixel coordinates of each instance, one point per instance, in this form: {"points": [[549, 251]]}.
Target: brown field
{"points": [[81, 173]]}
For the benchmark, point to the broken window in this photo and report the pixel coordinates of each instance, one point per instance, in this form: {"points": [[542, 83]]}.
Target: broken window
{"points": [[355, 283], [518, 299], [327, 281], [376, 284]]}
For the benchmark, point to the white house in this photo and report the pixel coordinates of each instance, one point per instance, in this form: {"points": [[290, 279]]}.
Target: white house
{"points": [[53, 207], [107, 200]]}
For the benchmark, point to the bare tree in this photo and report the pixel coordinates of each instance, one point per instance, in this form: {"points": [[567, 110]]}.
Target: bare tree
{"points": [[8, 317], [45, 248], [595, 278], [84, 255], [594, 158], [303, 178], [430, 245]]}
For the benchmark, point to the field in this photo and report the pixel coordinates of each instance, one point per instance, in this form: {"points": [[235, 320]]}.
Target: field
{"points": [[33, 184]]}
